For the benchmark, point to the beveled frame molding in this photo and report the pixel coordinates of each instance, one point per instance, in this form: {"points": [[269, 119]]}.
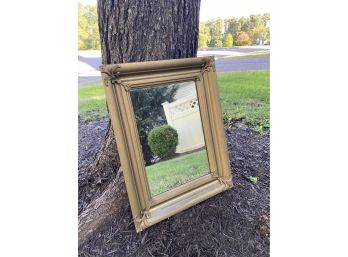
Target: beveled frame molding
{"points": [[118, 80]]}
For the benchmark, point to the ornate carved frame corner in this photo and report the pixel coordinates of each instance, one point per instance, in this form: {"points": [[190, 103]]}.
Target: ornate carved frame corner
{"points": [[118, 80]]}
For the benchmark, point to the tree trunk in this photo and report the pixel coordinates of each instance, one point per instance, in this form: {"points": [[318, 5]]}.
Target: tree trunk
{"points": [[133, 31]]}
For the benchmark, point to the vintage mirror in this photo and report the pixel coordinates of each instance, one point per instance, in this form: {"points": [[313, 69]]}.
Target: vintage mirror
{"points": [[167, 121]]}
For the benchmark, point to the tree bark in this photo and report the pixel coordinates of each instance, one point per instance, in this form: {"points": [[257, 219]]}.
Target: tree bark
{"points": [[133, 31]]}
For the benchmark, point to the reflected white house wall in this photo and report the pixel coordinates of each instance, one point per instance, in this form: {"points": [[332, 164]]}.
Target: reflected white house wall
{"points": [[183, 115]]}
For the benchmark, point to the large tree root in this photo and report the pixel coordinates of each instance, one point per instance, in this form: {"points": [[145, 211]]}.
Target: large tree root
{"points": [[107, 157], [103, 209], [95, 178], [107, 192]]}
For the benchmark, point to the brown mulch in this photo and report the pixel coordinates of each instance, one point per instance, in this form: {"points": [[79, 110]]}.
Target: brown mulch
{"points": [[233, 223]]}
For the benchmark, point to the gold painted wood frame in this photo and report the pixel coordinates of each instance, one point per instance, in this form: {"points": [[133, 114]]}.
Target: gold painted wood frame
{"points": [[118, 80]]}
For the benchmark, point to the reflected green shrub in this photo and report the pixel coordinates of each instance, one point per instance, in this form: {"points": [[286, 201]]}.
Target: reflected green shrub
{"points": [[163, 141]]}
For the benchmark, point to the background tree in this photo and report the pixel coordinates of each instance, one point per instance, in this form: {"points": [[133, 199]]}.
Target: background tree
{"points": [[216, 31], [88, 27], [216, 42], [255, 21], [149, 112], [256, 26], [266, 22], [234, 27], [257, 29], [132, 31], [228, 40], [243, 39], [266, 19], [204, 35], [258, 34], [244, 24]]}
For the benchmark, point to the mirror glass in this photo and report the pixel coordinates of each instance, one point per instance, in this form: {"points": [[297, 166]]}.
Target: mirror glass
{"points": [[171, 135]]}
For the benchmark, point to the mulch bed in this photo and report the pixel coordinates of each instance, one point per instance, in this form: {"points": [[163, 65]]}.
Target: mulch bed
{"points": [[91, 135], [233, 223]]}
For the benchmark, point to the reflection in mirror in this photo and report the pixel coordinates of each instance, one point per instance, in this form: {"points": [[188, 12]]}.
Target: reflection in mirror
{"points": [[171, 134]]}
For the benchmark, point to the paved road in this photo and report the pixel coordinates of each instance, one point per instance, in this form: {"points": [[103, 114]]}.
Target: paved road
{"points": [[83, 79], [227, 60], [243, 63]]}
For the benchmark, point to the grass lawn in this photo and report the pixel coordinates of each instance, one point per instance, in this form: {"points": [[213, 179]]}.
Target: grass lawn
{"points": [[244, 96], [166, 175], [92, 100]]}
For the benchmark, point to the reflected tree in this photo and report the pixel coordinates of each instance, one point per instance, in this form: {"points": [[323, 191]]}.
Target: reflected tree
{"points": [[149, 113]]}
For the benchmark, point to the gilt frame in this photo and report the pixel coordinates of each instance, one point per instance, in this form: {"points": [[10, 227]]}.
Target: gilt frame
{"points": [[118, 80]]}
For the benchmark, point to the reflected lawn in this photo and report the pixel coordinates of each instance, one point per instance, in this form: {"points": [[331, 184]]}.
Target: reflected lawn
{"points": [[168, 174]]}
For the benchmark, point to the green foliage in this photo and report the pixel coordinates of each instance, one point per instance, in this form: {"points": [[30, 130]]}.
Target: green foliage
{"points": [[88, 33], [149, 113], [243, 39], [244, 24], [261, 128], [216, 30], [255, 21], [216, 27], [163, 141], [204, 36], [258, 28], [266, 19], [214, 33], [228, 40], [216, 42], [233, 26], [258, 33], [253, 179]]}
